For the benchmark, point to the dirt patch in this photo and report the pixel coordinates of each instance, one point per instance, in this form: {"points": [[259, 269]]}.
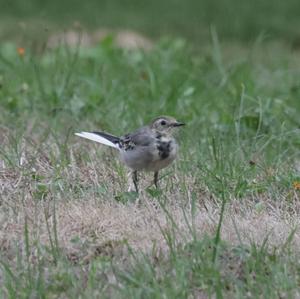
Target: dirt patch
{"points": [[126, 39], [86, 228]]}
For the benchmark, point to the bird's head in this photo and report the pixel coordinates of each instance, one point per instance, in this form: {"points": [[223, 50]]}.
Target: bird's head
{"points": [[165, 124]]}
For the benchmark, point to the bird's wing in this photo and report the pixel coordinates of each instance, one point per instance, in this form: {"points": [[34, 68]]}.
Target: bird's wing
{"points": [[142, 137], [101, 137]]}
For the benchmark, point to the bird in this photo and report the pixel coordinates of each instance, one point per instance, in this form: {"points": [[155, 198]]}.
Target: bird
{"points": [[149, 148]]}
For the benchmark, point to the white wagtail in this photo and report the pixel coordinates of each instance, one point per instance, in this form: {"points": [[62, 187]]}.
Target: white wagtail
{"points": [[149, 148]]}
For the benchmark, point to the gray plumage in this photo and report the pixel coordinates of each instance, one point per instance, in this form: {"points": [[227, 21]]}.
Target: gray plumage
{"points": [[149, 148]]}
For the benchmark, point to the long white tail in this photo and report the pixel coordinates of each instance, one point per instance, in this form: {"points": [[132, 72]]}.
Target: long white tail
{"points": [[97, 138]]}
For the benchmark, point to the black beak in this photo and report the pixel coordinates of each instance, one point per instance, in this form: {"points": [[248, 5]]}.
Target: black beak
{"points": [[178, 124]]}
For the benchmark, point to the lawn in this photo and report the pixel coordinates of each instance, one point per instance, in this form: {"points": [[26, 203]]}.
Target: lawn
{"points": [[234, 19], [225, 221]]}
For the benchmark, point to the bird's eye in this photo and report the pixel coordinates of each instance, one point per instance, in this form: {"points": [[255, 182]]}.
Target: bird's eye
{"points": [[163, 122]]}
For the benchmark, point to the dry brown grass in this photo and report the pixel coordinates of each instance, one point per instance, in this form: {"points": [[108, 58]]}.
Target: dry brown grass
{"points": [[72, 195], [89, 223], [98, 224]]}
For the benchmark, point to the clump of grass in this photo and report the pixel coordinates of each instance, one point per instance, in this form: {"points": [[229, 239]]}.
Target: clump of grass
{"points": [[239, 272]]}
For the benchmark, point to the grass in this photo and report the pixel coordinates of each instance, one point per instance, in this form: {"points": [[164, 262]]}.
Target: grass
{"points": [[192, 19], [224, 225]]}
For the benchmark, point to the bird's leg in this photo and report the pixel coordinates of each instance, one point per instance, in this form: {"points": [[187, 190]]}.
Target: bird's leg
{"points": [[133, 186], [135, 180], [156, 179]]}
